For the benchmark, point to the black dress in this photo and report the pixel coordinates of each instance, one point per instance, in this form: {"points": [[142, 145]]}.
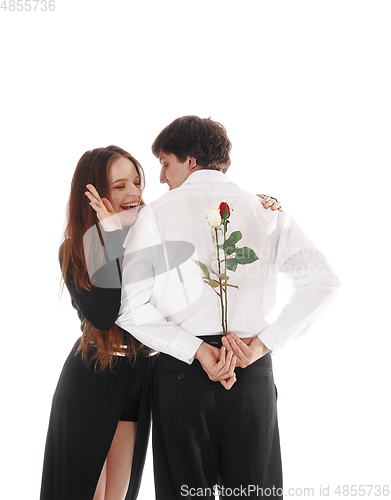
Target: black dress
{"points": [[88, 404]]}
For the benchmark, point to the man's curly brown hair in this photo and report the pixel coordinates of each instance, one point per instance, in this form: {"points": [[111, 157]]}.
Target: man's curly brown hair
{"points": [[201, 138]]}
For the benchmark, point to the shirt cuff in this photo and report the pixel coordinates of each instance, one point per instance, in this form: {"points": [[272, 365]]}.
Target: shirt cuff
{"points": [[273, 336], [184, 347]]}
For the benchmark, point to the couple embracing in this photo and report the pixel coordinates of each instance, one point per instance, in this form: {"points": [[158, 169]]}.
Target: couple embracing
{"points": [[196, 289]]}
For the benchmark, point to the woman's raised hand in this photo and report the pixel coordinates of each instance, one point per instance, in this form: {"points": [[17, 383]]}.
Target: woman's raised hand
{"points": [[269, 202], [104, 210]]}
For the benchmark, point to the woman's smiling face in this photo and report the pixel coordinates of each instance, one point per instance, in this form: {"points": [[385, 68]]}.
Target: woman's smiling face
{"points": [[124, 189]]}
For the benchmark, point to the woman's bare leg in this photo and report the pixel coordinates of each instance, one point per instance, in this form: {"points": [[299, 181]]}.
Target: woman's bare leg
{"points": [[101, 486], [115, 476], [119, 461]]}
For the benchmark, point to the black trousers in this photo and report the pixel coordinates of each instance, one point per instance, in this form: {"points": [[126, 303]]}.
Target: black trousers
{"points": [[204, 435]]}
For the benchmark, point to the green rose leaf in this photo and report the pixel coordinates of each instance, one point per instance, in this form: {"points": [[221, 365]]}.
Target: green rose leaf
{"points": [[233, 286], [245, 255], [212, 283], [235, 236], [203, 268], [228, 246], [221, 276], [231, 264]]}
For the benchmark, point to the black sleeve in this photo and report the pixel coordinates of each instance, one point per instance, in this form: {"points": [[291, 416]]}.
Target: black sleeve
{"points": [[100, 305]]}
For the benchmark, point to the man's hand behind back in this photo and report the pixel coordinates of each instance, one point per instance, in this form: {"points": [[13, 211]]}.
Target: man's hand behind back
{"points": [[246, 350], [219, 364]]}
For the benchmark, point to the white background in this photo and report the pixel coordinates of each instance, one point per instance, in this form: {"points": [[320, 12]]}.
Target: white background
{"points": [[303, 88]]}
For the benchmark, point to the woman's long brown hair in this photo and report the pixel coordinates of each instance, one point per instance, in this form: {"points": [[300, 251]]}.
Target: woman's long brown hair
{"points": [[96, 345]]}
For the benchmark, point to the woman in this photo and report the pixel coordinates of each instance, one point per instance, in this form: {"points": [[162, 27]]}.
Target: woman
{"points": [[100, 418], [103, 390]]}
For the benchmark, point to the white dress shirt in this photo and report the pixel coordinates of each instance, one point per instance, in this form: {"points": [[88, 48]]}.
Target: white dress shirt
{"points": [[165, 302]]}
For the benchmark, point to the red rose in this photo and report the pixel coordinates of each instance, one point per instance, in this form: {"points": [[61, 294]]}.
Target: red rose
{"points": [[224, 207]]}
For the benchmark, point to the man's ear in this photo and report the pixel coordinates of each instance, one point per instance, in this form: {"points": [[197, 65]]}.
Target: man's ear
{"points": [[192, 163]]}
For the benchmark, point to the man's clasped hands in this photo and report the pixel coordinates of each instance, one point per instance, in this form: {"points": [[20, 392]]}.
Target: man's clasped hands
{"points": [[220, 364]]}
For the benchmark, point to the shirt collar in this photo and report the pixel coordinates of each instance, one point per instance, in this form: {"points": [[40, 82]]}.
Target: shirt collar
{"points": [[205, 175]]}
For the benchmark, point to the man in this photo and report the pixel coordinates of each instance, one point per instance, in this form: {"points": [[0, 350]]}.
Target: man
{"points": [[215, 417]]}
